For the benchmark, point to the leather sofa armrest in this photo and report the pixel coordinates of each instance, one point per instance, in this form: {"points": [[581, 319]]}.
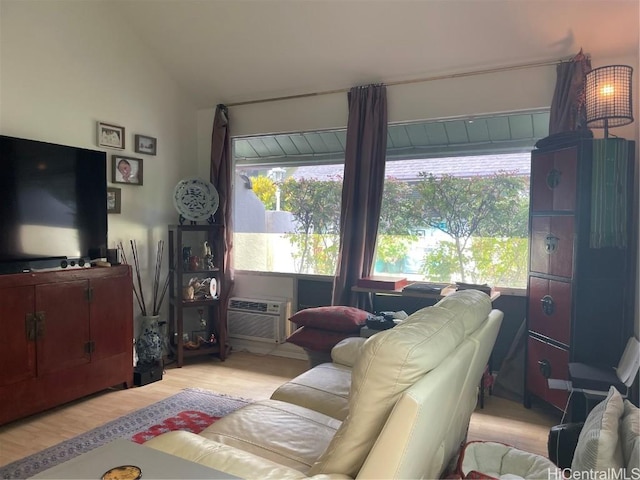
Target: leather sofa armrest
{"points": [[347, 351], [227, 459], [562, 442]]}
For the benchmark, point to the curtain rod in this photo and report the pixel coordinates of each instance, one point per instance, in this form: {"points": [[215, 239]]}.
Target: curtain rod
{"points": [[407, 82]]}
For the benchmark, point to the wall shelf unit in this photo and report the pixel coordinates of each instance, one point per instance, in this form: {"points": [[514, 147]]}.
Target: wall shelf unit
{"points": [[186, 262]]}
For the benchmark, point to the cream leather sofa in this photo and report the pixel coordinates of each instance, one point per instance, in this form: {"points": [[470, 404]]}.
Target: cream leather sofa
{"points": [[411, 391]]}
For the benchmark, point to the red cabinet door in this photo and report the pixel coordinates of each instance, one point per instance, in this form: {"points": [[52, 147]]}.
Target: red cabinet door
{"points": [[18, 352], [111, 313], [549, 310], [553, 180], [546, 361], [64, 327], [552, 239]]}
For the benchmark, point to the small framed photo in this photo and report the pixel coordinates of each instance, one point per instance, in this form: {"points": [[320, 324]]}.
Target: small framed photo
{"points": [[126, 170], [110, 136], [114, 199], [145, 144]]}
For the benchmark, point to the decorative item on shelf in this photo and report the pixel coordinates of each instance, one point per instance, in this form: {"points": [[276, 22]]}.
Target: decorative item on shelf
{"points": [[188, 293], [199, 341], [186, 257], [213, 287], [194, 263], [608, 97], [203, 288], [203, 321], [207, 257], [191, 345], [195, 200]]}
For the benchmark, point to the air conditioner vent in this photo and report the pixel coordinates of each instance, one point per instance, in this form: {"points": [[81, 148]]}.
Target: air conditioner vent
{"points": [[258, 320], [248, 305]]}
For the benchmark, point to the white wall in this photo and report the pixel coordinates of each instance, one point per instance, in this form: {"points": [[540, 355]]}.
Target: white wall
{"points": [[507, 91], [64, 65]]}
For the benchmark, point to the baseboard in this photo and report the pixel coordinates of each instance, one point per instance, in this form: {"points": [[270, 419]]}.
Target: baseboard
{"points": [[287, 350]]}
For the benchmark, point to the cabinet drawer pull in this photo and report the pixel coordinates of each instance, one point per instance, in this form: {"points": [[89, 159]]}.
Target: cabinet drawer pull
{"points": [[40, 325], [548, 305], [30, 326], [545, 368], [551, 243], [553, 178]]}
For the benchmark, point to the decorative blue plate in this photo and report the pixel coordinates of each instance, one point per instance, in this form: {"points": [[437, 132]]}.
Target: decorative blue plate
{"points": [[195, 199]]}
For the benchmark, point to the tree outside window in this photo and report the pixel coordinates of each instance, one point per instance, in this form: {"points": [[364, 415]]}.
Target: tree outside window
{"points": [[442, 228]]}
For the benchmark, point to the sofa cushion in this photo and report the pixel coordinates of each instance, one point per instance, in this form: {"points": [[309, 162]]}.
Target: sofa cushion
{"points": [[389, 363], [598, 447], [224, 458], [324, 388], [347, 351], [630, 437], [277, 431], [316, 339], [335, 318], [472, 307]]}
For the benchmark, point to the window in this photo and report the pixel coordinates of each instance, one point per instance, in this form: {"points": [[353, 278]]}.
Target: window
{"points": [[287, 219], [456, 219], [454, 208]]}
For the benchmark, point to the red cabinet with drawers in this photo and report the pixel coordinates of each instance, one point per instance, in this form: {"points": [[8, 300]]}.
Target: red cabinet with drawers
{"points": [[581, 291]]}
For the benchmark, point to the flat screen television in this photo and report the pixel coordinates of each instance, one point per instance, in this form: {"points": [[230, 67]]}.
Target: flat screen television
{"points": [[53, 204]]}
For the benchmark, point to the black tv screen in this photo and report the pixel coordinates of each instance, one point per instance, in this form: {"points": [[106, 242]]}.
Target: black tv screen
{"points": [[53, 201]]}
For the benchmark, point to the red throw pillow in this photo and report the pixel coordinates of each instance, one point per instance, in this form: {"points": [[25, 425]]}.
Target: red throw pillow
{"points": [[475, 475], [316, 339], [335, 318]]}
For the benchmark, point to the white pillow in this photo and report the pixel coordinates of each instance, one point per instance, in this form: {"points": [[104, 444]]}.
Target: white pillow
{"points": [[630, 437], [598, 447]]}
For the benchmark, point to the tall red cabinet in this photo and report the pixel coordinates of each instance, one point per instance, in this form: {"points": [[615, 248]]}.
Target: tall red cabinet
{"points": [[582, 257]]}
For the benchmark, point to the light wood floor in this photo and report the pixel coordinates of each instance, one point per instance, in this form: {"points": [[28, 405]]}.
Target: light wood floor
{"points": [[242, 375]]}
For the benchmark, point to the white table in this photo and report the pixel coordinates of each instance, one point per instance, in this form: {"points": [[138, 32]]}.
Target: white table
{"points": [[153, 463]]}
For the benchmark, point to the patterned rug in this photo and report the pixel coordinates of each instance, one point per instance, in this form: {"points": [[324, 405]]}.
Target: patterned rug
{"points": [[191, 409]]}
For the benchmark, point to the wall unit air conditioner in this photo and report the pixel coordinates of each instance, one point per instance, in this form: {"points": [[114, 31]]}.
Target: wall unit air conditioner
{"points": [[258, 320]]}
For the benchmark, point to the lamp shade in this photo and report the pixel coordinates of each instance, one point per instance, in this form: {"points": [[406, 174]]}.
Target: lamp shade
{"points": [[608, 96]]}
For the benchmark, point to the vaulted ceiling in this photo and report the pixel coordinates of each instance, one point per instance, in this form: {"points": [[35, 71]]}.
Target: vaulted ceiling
{"points": [[239, 50]]}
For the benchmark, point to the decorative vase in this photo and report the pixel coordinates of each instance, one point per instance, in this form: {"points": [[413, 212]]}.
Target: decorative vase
{"points": [[149, 342]]}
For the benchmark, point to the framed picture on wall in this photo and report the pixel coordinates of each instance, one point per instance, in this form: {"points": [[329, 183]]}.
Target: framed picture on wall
{"points": [[126, 170], [110, 136], [145, 144], [114, 199]]}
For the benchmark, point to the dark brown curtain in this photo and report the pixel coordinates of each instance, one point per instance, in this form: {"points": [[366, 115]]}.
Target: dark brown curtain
{"points": [[221, 178], [568, 112], [365, 154]]}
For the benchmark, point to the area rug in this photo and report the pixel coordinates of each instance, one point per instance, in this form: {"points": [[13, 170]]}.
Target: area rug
{"points": [[191, 409]]}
